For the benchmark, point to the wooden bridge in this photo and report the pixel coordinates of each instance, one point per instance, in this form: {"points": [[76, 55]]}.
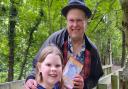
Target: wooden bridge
{"points": [[109, 81]]}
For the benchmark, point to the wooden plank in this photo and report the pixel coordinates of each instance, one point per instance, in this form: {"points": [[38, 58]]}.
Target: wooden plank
{"points": [[18, 84], [106, 66]]}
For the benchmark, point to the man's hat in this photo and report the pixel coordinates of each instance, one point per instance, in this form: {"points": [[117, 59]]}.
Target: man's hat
{"points": [[76, 4]]}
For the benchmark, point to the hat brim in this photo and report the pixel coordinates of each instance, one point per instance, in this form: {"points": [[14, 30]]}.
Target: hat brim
{"points": [[87, 11]]}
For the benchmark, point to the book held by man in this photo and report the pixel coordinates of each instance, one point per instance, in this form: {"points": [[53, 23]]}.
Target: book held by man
{"points": [[72, 68]]}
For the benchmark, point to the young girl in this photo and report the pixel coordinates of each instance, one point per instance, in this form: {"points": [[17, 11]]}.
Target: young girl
{"points": [[49, 68]]}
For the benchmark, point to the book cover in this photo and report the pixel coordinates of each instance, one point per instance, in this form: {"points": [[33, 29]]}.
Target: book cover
{"points": [[72, 68]]}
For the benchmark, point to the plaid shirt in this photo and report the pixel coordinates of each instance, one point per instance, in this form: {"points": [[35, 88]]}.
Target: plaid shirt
{"points": [[80, 56], [84, 57]]}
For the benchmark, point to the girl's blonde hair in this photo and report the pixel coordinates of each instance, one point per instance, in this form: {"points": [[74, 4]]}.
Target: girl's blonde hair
{"points": [[46, 51]]}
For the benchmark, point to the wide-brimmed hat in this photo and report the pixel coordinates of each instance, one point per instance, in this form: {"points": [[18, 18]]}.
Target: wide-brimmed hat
{"points": [[76, 4]]}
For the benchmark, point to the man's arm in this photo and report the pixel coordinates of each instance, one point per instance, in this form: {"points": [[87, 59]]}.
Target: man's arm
{"points": [[32, 74]]}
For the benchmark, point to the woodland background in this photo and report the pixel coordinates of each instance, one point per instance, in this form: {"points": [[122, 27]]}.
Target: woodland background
{"points": [[26, 24]]}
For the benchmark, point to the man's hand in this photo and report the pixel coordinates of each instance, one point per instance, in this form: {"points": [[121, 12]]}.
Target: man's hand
{"points": [[30, 84], [78, 82]]}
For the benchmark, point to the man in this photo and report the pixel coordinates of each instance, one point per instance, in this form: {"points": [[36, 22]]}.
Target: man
{"points": [[72, 41]]}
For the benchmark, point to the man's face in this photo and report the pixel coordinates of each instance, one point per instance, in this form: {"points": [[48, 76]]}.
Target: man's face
{"points": [[76, 23]]}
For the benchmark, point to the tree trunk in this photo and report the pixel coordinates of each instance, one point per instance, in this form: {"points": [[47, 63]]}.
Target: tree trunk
{"points": [[109, 51], [32, 29], [123, 49], [11, 36], [124, 5], [49, 17]]}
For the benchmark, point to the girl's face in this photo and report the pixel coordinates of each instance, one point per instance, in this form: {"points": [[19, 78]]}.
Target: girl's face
{"points": [[51, 69]]}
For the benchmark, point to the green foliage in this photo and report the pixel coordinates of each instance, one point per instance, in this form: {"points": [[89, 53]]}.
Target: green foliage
{"points": [[104, 25]]}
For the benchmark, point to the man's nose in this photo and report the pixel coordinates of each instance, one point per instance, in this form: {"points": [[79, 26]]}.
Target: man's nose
{"points": [[75, 23]]}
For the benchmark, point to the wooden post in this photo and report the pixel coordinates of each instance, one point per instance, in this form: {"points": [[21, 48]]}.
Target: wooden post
{"points": [[102, 86], [115, 82], [123, 81], [126, 84]]}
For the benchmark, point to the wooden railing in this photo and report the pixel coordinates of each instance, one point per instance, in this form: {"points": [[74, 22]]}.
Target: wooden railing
{"points": [[110, 81], [107, 69], [18, 84]]}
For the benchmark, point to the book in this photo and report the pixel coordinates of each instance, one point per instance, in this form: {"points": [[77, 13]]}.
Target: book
{"points": [[72, 68]]}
